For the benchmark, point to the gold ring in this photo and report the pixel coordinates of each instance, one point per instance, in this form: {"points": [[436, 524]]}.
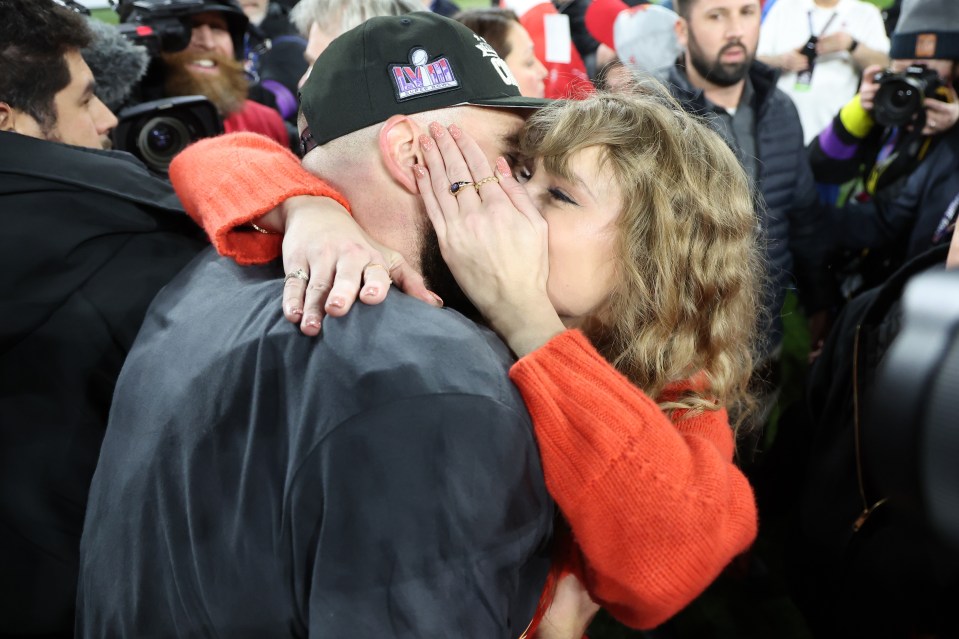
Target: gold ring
{"points": [[456, 187], [298, 274], [378, 265], [488, 180]]}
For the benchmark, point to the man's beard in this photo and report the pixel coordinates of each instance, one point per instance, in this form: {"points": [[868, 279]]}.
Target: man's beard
{"points": [[227, 90], [438, 277], [724, 74]]}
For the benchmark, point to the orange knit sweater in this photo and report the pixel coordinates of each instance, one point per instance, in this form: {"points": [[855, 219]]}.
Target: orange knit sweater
{"points": [[656, 507]]}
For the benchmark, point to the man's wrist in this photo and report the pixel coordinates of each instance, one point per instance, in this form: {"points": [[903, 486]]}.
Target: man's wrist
{"points": [[852, 45]]}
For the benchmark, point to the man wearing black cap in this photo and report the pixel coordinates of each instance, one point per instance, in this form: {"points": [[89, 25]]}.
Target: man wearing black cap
{"points": [[381, 480]]}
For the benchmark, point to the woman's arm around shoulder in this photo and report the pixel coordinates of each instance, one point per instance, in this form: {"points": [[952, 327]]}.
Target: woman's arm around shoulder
{"points": [[231, 180]]}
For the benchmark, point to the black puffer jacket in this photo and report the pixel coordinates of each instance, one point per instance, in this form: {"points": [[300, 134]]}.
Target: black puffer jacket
{"points": [[787, 206]]}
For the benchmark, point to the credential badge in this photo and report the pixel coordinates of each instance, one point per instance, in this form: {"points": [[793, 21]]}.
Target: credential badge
{"points": [[422, 76]]}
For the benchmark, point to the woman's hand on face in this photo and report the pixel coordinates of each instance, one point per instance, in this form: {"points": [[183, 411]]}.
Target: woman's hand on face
{"points": [[339, 263], [491, 236], [941, 116]]}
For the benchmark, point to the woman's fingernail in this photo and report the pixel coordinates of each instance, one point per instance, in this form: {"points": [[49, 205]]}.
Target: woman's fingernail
{"points": [[419, 170], [313, 322], [503, 167], [439, 300], [426, 142], [455, 132], [370, 291], [436, 130], [294, 310], [335, 302]]}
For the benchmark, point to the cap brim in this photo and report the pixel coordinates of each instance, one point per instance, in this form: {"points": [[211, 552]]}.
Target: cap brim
{"points": [[512, 102]]}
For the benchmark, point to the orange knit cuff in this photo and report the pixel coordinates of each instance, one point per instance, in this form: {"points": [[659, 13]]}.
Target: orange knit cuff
{"points": [[231, 180]]}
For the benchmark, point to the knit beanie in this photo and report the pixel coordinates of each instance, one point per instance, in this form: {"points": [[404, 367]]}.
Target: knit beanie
{"points": [[927, 29]]}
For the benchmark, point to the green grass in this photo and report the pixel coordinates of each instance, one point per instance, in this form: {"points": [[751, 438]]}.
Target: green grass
{"points": [[106, 15]]}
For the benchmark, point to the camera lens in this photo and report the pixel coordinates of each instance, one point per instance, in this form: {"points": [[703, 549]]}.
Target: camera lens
{"points": [[160, 140], [161, 137], [897, 101]]}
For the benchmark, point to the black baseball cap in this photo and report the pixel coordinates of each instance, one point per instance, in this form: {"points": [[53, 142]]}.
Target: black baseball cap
{"points": [[401, 65]]}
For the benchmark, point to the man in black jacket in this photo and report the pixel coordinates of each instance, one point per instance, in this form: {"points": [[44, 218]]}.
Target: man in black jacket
{"points": [[89, 236], [719, 78]]}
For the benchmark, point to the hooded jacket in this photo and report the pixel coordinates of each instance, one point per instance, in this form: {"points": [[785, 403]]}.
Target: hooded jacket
{"points": [[88, 238]]}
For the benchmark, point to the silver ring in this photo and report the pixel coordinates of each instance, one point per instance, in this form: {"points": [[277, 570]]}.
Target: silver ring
{"points": [[932, 124], [298, 274]]}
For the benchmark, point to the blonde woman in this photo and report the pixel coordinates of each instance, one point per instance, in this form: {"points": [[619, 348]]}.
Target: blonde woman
{"points": [[625, 273]]}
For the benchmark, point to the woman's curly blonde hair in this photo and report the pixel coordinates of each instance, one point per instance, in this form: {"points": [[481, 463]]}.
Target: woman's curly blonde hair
{"points": [[688, 298]]}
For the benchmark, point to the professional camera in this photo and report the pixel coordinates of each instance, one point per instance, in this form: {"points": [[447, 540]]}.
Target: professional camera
{"points": [[913, 432], [900, 96], [156, 131], [156, 128]]}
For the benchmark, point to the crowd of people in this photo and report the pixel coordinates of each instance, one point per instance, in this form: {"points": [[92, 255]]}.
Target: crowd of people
{"points": [[471, 322]]}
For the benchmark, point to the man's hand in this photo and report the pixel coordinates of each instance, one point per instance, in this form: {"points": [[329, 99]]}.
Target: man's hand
{"points": [[869, 86], [941, 116], [834, 42], [788, 61]]}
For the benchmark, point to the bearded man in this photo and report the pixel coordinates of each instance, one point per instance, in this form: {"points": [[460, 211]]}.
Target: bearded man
{"points": [[718, 77], [209, 67]]}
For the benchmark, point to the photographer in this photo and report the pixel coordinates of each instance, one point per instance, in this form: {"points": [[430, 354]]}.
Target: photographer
{"points": [[210, 65], [898, 140]]}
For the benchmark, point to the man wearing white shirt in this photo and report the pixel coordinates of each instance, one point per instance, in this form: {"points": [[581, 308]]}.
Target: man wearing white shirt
{"points": [[850, 36]]}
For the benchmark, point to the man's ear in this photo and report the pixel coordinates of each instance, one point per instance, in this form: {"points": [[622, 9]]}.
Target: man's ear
{"points": [[681, 28], [8, 117], [400, 150]]}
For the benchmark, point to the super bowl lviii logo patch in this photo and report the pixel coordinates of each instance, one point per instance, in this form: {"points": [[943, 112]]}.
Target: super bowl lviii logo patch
{"points": [[422, 76]]}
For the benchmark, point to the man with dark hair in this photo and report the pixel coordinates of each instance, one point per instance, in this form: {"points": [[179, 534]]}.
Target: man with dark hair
{"points": [[88, 238], [381, 480], [717, 76], [46, 89]]}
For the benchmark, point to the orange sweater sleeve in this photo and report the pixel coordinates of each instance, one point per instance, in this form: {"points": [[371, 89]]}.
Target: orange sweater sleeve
{"points": [[656, 508], [231, 180]]}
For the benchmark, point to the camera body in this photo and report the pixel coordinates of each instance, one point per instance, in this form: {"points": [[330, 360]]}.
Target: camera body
{"points": [[900, 96], [155, 130]]}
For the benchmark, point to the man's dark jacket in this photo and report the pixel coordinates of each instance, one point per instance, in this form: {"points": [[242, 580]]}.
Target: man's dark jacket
{"points": [[793, 223], [88, 239]]}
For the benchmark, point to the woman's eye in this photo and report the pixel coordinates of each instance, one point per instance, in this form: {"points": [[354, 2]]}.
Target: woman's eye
{"points": [[559, 196]]}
